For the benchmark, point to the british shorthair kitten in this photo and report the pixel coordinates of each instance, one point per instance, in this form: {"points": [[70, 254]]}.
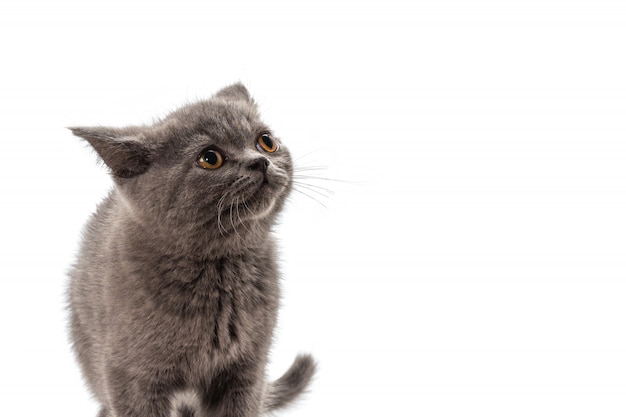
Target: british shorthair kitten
{"points": [[174, 295]]}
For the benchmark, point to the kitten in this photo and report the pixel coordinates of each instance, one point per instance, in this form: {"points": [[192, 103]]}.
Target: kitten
{"points": [[174, 295]]}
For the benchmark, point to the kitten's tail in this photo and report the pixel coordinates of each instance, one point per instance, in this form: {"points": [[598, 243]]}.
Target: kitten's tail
{"points": [[293, 382]]}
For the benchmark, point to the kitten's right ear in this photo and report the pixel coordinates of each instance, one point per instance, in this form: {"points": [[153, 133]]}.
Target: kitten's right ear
{"points": [[120, 149]]}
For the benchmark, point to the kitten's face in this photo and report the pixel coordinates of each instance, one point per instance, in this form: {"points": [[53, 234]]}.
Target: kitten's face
{"points": [[230, 169], [249, 178], [210, 170]]}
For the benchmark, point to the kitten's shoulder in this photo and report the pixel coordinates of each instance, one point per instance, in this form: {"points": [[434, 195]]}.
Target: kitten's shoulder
{"points": [[101, 224], [104, 211]]}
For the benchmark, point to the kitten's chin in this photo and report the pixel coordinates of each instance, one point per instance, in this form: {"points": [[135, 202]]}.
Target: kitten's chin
{"points": [[264, 211], [261, 204], [262, 201]]}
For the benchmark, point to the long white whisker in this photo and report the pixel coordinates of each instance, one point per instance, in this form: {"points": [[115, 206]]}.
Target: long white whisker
{"points": [[311, 168], [319, 187], [313, 177], [232, 222], [220, 207], [245, 206], [312, 198], [220, 184], [310, 188], [239, 215]]}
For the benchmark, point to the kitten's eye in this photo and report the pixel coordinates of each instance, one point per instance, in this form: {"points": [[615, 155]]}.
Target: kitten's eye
{"points": [[266, 143], [210, 159]]}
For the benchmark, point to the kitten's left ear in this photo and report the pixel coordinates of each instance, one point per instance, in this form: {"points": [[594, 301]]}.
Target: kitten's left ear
{"points": [[120, 149], [235, 91]]}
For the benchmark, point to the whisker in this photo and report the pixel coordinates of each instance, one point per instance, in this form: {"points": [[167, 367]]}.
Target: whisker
{"points": [[312, 198], [220, 207], [310, 168], [245, 206], [313, 177], [312, 189], [219, 184], [216, 185], [319, 187], [232, 222], [239, 216]]}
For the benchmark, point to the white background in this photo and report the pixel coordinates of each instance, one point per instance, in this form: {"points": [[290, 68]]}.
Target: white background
{"points": [[471, 263]]}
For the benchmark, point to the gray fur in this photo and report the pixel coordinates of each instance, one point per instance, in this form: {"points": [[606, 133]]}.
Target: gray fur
{"points": [[174, 295]]}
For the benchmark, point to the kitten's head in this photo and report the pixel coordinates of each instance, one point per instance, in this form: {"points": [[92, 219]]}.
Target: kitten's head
{"points": [[210, 175]]}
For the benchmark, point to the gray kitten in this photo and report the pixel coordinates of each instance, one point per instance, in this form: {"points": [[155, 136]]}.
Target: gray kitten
{"points": [[174, 295]]}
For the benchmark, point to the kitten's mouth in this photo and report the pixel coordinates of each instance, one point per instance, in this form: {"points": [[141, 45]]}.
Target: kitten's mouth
{"points": [[262, 192], [251, 198]]}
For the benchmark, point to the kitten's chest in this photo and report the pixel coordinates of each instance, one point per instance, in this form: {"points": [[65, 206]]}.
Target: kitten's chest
{"points": [[234, 306]]}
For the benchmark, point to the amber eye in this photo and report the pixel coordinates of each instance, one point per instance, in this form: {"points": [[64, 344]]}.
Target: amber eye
{"points": [[266, 143], [210, 159]]}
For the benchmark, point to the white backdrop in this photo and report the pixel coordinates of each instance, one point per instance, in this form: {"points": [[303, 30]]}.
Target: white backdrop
{"points": [[471, 263]]}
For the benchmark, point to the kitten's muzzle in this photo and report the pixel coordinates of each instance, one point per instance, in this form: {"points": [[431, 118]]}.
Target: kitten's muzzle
{"points": [[260, 163]]}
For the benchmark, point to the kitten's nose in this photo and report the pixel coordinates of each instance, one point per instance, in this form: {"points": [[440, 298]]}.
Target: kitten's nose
{"points": [[261, 163]]}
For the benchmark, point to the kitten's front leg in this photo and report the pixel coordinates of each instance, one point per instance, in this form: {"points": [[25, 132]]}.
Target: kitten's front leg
{"points": [[235, 392], [132, 396]]}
